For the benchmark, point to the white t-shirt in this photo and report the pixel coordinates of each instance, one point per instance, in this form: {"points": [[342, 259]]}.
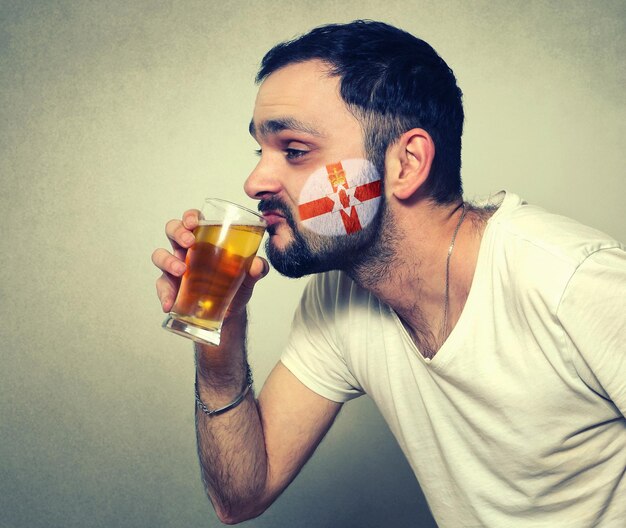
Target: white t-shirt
{"points": [[518, 420]]}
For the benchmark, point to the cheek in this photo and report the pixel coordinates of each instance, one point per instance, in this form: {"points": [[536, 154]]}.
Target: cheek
{"points": [[340, 198]]}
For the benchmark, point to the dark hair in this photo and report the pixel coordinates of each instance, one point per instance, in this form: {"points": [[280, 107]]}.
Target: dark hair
{"points": [[392, 82]]}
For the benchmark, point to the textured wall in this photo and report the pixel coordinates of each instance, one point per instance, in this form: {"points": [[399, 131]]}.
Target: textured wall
{"points": [[116, 116]]}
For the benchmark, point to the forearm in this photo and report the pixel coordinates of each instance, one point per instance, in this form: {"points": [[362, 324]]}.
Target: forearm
{"points": [[231, 445]]}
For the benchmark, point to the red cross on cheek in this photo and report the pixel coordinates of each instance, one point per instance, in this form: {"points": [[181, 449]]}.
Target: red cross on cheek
{"points": [[349, 214]]}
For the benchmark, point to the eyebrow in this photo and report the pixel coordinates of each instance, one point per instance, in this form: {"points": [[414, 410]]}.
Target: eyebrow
{"points": [[273, 126]]}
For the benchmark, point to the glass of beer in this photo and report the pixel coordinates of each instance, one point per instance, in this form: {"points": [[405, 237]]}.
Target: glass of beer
{"points": [[227, 239]]}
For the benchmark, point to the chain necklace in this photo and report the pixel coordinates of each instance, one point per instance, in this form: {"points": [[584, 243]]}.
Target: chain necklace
{"points": [[446, 301]]}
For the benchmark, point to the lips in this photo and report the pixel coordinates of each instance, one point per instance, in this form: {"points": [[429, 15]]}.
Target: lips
{"points": [[273, 210], [272, 217]]}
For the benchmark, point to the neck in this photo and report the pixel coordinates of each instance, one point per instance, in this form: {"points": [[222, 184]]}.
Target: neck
{"points": [[406, 267]]}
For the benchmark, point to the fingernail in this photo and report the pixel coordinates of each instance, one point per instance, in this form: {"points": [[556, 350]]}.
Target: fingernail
{"points": [[188, 238], [179, 268]]}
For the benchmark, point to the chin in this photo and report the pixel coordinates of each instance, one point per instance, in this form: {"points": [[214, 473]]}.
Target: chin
{"points": [[277, 243], [289, 259]]}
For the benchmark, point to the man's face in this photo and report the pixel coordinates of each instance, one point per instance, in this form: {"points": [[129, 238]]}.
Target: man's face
{"points": [[302, 125]]}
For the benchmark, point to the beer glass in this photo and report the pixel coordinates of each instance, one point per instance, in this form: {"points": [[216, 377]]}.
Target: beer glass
{"points": [[227, 239]]}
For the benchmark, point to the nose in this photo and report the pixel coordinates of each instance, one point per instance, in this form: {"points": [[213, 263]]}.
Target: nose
{"points": [[262, 181]]}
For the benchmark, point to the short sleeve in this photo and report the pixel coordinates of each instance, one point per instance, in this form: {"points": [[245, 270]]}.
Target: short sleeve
{"points": [[593, 314], [314, 349]]}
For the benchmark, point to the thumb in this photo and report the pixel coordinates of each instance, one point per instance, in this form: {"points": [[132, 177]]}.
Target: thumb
{"points": [[258, 269]]}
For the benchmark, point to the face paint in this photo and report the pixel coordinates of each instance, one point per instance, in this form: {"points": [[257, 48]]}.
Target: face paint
{"points": [[341, 198]]}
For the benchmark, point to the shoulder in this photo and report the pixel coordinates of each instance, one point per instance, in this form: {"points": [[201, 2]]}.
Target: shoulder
{"points": [[534, 254], [547, 236], [316, 349]]}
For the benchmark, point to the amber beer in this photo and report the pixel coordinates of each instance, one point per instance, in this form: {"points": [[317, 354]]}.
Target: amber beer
{"points": [[215, 270], [227, 239]]}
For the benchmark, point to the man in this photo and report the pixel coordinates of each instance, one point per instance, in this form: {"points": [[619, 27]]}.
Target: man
{"points": [[491, 337]]}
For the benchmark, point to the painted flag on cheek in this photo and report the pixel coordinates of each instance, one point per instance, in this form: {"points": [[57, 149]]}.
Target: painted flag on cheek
{"points": [[341, 198]]}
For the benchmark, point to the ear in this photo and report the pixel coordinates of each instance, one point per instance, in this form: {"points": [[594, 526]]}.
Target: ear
{"points": [[410, 160]]}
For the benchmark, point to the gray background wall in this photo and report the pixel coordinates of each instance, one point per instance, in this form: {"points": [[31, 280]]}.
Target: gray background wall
{"points": [[116, 116]]}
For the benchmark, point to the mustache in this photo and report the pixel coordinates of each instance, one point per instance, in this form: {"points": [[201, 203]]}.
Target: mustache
{"points": [[274, 203]]}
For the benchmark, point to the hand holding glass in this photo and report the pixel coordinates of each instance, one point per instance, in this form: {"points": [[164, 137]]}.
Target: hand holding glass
{"points": [[227, 239]]}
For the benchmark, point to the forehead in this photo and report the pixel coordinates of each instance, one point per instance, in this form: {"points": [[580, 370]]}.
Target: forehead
{"points": [[304, 91]]}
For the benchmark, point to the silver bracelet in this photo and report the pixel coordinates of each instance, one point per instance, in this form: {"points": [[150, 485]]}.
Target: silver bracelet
{"points": [[231, 405]]}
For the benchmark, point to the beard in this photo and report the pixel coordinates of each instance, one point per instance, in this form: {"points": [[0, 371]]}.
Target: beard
{"points": [[364, 255]]}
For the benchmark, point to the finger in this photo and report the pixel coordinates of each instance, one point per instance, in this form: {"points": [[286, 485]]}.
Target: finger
{"points": [[258, 269], [180, 253], [191, 219], [179, 235], [167, 289], [168, 263]]}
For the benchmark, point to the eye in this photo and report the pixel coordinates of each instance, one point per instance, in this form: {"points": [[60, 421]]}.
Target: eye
{"points": [[258, 152], [291, 153]]}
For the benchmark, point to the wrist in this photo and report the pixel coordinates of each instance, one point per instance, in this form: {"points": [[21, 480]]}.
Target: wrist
{"points": [[214, 411], [235, 318], [230, 354], [225, 368]]}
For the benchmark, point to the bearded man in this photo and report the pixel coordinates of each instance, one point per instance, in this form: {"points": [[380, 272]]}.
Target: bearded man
{"points": [[491, 336]]}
